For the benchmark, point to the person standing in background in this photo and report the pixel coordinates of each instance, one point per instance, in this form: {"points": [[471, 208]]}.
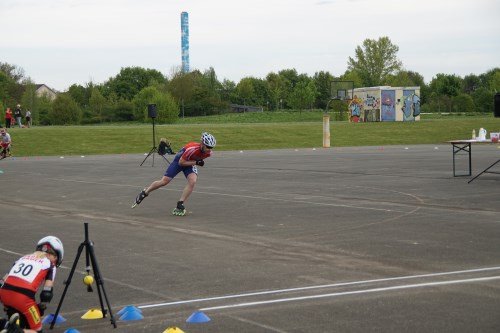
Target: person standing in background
{"points": [[18, 115], [28, 118], [8, 118]]}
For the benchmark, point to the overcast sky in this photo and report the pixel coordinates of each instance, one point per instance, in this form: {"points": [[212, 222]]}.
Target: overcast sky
{"points": [[62, 42]]}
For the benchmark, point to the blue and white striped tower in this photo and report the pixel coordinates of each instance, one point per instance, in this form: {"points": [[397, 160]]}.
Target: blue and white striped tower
{"points": [[185, 41]]}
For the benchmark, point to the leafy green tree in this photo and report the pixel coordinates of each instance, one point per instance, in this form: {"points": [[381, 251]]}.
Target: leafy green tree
{"points": [[245, 90], [5, 81], [276, 88], [260, 94], [42, 111], [204, 96], [98, 104], [28, 99], [290, 78], [65, 111], [131, 80], [10, 90], [210, 81], [303, 95], [463, 103], [438, 103], [123, 110], [488, 80], [252, 91], [207, 88], [181, 87], [470, 83], [81, 94], [322, 82], [227, 91], [352, 75], [483, 100], [494, 82], [445, 84], [375, 60], [404, 79], [13, 86], [14, 72], [168, 109]]}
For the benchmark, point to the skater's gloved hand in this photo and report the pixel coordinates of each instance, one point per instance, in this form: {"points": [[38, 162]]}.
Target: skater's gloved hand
{"points": [[42, 307], [200, 162]]}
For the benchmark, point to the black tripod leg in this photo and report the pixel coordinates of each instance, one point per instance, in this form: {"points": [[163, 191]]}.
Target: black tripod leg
{"points": [[97, 275], [87, 267], [67, 283], [165, 159], [149, 154], [100, 284]]}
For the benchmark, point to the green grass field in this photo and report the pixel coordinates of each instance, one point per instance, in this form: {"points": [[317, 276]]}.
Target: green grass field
{"points": [[243, 132]]}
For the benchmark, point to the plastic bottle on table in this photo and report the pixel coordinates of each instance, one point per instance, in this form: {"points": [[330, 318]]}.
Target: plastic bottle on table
{"points": [[473, 134]]}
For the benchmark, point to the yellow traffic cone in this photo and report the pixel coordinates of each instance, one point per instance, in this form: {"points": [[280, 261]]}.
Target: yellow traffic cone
{"points": [[173, 329], [93, 314]]}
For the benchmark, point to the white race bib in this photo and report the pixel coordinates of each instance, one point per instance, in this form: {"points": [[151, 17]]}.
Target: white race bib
{"points": [[27, 268]]}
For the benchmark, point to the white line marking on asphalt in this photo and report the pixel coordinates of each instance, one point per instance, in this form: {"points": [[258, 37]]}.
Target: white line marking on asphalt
{"points": [[141, 289], [248, 321], [408, 286], [341, 284], [240, 196], [10, 252]]}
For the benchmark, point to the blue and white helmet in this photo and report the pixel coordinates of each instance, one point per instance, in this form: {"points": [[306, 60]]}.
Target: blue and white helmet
{"points": [[53, 243], [208, 140]]}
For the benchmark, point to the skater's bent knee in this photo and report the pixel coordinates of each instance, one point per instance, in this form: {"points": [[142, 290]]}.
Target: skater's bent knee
{"points": [[164, 181]]}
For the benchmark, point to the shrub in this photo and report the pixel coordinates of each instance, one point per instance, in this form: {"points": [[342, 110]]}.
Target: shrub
{"points": [[168, 110], [65, 111], [463, 103]]}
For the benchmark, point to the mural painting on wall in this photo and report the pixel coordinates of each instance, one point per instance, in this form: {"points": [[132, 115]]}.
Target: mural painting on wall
{"points": [[355, 106], [411, 105], [388, 108], [371, 108]]}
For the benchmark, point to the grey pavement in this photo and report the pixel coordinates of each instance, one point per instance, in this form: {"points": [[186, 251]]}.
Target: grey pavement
{"points": [[359, 239]]}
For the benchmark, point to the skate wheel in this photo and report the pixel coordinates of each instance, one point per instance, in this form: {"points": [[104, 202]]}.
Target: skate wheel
{"points": [[177, 212]]}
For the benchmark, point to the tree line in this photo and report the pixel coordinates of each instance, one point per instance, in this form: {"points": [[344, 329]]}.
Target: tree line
{"points": [[125, 96]]}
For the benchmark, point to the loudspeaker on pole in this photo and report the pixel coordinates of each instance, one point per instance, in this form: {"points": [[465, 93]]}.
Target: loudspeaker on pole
{"points": [[497, 105], [152, 113]]}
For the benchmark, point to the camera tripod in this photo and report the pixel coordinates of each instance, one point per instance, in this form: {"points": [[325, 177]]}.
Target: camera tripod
{"points": [[154, 149], [90, 260]]}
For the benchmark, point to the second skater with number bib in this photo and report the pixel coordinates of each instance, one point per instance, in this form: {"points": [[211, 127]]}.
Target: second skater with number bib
{"points": [[187, 159]]}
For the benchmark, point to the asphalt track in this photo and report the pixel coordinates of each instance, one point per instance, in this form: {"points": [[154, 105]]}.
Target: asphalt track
{"points": [[368, 239]]}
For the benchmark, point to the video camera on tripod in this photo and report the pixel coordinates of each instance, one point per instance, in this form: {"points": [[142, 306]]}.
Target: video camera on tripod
{"points": [[153, 113]]}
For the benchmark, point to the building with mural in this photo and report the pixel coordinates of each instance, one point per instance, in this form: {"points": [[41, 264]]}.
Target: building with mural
{"points": [[385, 104]]}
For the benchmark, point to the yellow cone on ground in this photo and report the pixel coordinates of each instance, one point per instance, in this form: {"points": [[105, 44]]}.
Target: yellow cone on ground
{"points": [[173, 329], [93, 314], [88, 280]]}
